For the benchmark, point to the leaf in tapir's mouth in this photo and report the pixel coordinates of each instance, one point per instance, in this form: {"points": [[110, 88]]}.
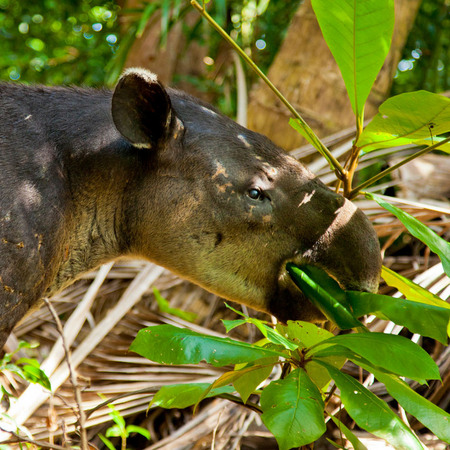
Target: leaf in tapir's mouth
{"points": [[324, 293]]}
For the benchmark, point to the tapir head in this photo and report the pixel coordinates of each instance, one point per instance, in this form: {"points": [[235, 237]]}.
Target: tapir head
{"points": [[226, 208]]}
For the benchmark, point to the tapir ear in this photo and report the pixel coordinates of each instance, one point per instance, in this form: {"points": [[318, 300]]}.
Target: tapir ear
{"points": [[141, 109]]}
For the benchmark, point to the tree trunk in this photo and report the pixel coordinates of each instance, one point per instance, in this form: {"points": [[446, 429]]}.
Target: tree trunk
{"points": [[305, 72], [176, 57]]}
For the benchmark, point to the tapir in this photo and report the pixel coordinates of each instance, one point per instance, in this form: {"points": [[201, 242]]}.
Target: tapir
{"points": [[88, 176]]}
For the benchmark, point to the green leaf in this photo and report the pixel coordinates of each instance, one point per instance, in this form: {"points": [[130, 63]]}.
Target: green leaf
{"points": [[273, 335], [371, 413], [411, 290], [304, 334], [430, 415], [317, 285], [393, 353], [357, 444], [359, 36], [424, 319], [116, 431], [29, 361], [165, 307], [251, 378], [405, 119], [184, 395], [167, 344], [305, 131], [293, 410], [140, 430], [36, 375], [418, 230], [149, 9], [230, 324], [107, 442], [268, 332]]}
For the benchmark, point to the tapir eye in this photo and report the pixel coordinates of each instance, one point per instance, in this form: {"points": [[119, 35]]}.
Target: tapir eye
{"points": [[256, 194]]}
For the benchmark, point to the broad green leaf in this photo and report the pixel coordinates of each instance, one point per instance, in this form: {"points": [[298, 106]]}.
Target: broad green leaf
{"points": [[357, 444], [411, 290], [394, 353], [424, 319], [167, 344], [419, 230], [430, 415], [329, 305], [371, 413], [305, 334], [184, 395], [405, 119], [249, 380], [293, 410], [359, 35], [318, 374], [164, 306]]}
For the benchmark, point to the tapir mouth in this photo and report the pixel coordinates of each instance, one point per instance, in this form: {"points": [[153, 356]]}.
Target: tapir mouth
{"points": [[290, 303]]}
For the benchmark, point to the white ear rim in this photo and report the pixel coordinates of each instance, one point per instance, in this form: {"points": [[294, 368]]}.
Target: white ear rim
{"points": [[145, 74]]}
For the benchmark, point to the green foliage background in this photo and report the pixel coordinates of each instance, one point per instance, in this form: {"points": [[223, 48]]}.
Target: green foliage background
{"points": [[57, 42], [73, 42]]}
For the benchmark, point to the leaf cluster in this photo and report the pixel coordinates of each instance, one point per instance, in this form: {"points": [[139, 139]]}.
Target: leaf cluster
{"points": [[293, 407]]}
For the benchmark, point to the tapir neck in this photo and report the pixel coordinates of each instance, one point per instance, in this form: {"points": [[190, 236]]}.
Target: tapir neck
{"points": [[99, 175]]}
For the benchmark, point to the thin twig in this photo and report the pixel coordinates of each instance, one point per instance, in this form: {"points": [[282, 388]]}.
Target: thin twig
{"points": [[313, 138], [18, 439], [118, 397], [73, 378], [382, 174]]}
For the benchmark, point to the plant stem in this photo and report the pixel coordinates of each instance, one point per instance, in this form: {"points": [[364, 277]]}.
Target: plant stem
{"points": [[249, 405], [318, 144], [375, 178]]}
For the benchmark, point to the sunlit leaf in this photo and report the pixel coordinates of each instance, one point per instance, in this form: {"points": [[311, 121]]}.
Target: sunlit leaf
{"points": [[106, 441], [140, 430], [184, 395], [430, 415], [164, 306], [318, 290], [358, 34], [418, 230], [303, 129], [424, 319], [230, 324], [305, 334], [371, 413], [249, 380], [293, 410], [167, 344], [393, 353], [405, 119], [411, 290]]}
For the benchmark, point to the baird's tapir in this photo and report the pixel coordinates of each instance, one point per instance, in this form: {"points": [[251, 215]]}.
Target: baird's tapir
{"points": [[88, 176]]}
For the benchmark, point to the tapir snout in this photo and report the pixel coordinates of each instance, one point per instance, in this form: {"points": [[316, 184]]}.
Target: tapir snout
{"points": [[88, 176]]}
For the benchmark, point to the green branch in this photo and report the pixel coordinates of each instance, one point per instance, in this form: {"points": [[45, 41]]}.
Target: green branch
{"points": [[382, 174], [313, 138]]}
